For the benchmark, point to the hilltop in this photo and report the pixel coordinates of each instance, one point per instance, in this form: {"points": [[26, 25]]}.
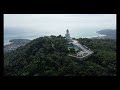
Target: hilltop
{"points": [[48, 56]]}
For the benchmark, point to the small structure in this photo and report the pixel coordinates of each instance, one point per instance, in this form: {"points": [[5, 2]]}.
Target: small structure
{"points": [[67, 35]]}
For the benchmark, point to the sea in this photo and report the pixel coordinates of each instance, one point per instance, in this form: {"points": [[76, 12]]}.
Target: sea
{"points": [[22, 34]]}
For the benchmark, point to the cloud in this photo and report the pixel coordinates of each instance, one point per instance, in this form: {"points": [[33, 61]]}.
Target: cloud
{"points": [[60, 22]]}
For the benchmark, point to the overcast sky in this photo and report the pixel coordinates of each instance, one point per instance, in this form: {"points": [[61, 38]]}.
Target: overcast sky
{"points": [[60, 22]]}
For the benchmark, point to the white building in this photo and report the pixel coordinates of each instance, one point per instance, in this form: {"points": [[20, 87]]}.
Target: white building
{"points": [[67, 35]]}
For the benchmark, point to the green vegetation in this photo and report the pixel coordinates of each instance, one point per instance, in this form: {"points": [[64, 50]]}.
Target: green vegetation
{"points": [[48, 56]]}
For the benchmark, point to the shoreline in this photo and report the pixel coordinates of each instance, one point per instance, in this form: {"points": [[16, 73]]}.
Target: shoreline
{"points": [[100, 35]]}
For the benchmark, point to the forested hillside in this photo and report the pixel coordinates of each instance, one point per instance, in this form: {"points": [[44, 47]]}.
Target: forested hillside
{"points": [[48, 56]]}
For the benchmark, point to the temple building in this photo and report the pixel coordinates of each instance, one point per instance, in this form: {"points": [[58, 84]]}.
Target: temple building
{"points": [[81, 51]]}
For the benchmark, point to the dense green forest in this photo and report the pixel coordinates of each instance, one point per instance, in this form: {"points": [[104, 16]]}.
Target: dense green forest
{"points": [[48, 56]]}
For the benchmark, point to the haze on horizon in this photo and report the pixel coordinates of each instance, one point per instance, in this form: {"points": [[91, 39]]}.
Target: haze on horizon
{"points": [[58, 23]]}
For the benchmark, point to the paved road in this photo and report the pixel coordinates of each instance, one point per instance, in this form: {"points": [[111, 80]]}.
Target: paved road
{"points": [[75, 42]]}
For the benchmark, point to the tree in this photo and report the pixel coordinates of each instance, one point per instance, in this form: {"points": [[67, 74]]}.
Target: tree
{"points": [[39, 58]]}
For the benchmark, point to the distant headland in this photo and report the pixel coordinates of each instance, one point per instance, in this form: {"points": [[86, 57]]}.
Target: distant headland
{"points": [[14, 44], [109, 34]]}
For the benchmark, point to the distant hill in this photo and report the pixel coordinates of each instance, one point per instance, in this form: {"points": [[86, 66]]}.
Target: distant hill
{"points": [[15, 43], [110, 34]]}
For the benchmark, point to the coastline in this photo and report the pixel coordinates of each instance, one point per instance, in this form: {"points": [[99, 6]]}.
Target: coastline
{"points": [[99, 36], [6, 42], [94, 34]]}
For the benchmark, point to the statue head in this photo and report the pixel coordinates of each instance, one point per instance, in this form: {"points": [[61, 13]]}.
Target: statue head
{"points": [[67, 31]]}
